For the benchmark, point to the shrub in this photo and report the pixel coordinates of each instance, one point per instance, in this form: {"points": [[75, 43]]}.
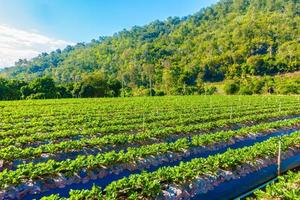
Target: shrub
{"points": [[231, 87]]}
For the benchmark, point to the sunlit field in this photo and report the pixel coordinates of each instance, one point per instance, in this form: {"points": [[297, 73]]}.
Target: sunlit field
{"points": [[141, 148]]}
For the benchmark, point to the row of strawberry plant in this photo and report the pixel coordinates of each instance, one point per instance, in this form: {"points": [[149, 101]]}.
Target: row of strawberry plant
{"points": [[90, 118], [150, 185], [11, 153], [147, 134], [90, 122], [171, 120], [87, 106], [288, 187], [99, 106], [69, 167]]}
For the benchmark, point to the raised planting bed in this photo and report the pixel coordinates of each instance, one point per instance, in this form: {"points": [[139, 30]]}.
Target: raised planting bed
{"points": [[105, 176], [201, 174]]}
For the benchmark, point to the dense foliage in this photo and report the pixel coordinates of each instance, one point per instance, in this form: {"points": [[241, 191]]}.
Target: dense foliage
{"points": [[93, 85], [98, 85], [231, 39], [263, 85]]}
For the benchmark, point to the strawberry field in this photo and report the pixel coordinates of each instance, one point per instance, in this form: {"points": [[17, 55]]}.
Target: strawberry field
{"points": [[145, 148]]}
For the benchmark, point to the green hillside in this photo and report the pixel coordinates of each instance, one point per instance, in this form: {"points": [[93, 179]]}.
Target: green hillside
{"points": [[231, 39]]}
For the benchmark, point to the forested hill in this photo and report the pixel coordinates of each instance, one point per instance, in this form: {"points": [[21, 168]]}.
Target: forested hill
{"points": [[232, 38]]}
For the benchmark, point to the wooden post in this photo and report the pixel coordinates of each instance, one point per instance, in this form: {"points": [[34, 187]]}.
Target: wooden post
{"points": [[279, 158]]}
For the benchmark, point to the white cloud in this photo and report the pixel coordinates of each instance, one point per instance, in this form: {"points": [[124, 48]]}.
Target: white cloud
{"points": [[16, 44]]}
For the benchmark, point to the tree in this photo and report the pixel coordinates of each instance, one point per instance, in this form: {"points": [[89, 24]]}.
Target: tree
{"points": [[3, 89], [94, 85], [149, 70], [98, 85], [230, 40], [40, 88], [231, 87], [256, 65]]}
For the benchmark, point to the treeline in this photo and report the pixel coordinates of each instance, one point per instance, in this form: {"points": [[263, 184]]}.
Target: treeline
{"points": [[263, 85], [98, 85], [229, 40], [92, 85], [95, 85]]}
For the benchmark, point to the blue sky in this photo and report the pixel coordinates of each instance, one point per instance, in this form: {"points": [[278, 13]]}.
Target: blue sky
{"points": [[71, 21]]}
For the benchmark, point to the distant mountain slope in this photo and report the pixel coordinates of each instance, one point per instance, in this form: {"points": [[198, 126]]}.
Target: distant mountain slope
{"points": [[230, 39]]}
